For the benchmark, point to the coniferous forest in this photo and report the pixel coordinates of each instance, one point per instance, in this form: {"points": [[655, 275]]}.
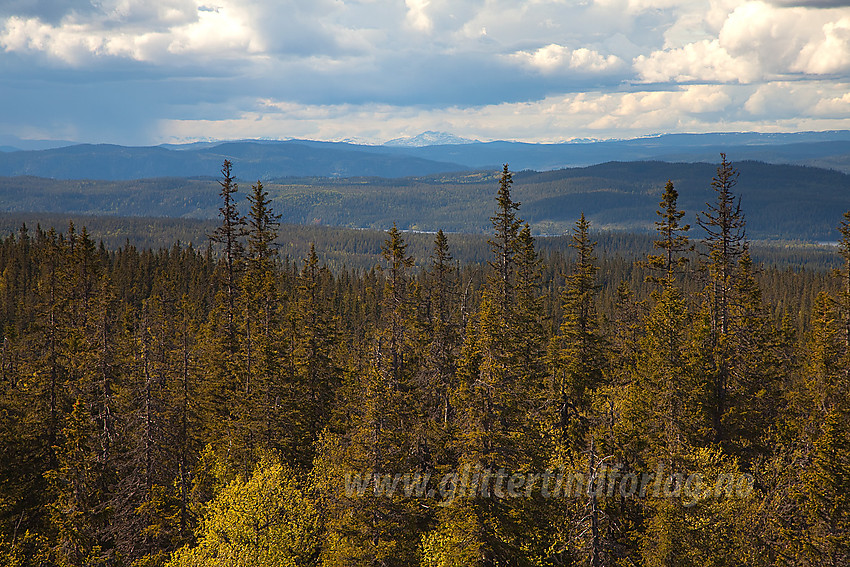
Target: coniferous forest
{"points": [[234, 407]]}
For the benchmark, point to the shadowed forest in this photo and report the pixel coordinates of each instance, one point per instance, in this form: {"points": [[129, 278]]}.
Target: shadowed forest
{"points": [[236, 404]]}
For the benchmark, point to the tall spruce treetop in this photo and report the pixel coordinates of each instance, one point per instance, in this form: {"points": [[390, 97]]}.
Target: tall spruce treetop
{"points": [[673, 241], [230, 232], [579, 360], [506, 227], [262, 227], [440, 285], [232, 224], [396, 297], [725, 238], [579, 313]]}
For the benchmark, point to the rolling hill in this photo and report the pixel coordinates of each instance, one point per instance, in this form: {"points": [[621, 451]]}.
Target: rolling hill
{"points": [[780, 201], [267, 160]]}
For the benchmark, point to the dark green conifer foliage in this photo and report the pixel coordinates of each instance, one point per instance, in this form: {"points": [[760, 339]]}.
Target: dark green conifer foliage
{"points": [[506, 227], [579, 359], [134, 411], [317, 372], [229, 235], [673, 241], [396, 308], [259, 324], [825, 488], [723, 223], [755, 383], [440, 331], [844, 275], [78, 514], [527, 323]]}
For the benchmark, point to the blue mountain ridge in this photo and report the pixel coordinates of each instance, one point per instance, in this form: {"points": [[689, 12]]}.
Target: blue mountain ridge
{"points": [[267, 159]]}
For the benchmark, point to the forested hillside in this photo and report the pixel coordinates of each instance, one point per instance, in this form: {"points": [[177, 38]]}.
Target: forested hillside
{"points": [[344, 248], [229, 405], [267, 159], [783, 202]]}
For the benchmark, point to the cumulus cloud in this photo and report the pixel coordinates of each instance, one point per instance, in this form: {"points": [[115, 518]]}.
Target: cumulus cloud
{"points": [[316, 68], [757, 41], [788, 100], [554, 58], [836, 107], [780, 100], [701, 61], [829, 53], [132, 30]]}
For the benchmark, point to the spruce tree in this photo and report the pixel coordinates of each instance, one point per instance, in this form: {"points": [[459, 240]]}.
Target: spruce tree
{"points": [[396, 308], [506, 227], [439, 324], [317, 372], [724, 225], [673, 240], [229, 234], [578, 359]]}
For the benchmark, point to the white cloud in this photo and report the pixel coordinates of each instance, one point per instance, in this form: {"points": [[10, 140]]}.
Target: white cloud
{"points": [[215, 34], [780, 100], [701, 61], [554, 58], [374, 68], [168, 31], [812, 3], [755, 41], [417, 15], [829, 54], [555, 118]]}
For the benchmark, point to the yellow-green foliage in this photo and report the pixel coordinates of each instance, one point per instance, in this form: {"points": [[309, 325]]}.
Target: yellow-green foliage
{"points": [[454, 542], [267, 520]]}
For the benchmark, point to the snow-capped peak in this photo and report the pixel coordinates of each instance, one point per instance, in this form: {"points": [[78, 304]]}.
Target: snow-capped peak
{"points": [[429, 138]]}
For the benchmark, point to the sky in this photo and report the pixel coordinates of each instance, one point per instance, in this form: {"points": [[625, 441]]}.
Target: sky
{"points": [[145, 72]]}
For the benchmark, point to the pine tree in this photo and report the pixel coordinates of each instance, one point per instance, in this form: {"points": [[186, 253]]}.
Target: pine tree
{"points": [[78, 515], [754, 398], [441, 325], [527, 321], [259, 329], [826, 483]]}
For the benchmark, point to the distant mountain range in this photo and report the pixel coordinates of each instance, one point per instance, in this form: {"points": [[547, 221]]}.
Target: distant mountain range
{"points": [[429, 138], [426, 154], [793, 186]]}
